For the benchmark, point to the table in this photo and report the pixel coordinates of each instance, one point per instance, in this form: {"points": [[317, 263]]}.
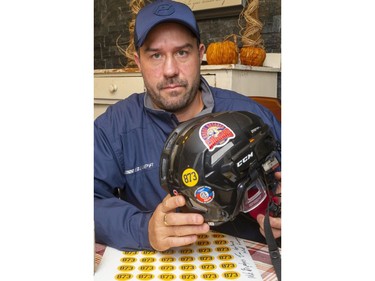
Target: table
{"points": [[258, 251]]}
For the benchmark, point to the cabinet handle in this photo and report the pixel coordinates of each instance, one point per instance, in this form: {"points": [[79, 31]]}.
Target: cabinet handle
{"points": [[112, 88]]}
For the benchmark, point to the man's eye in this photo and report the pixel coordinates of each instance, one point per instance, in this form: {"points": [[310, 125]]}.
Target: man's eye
{"points": [[182, 53], [156, 56]]}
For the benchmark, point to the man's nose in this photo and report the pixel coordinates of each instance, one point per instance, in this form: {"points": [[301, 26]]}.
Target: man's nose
{"points": [[170, 66]]}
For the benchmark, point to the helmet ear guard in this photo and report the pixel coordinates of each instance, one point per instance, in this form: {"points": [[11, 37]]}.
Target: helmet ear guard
{"points": [[215, 160]]}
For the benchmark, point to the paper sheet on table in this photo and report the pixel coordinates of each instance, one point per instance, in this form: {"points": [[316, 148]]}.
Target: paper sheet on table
{"points": [[215, 256]]}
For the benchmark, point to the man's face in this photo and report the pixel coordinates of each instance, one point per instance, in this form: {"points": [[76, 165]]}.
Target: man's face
{"points": [[170, 62]]}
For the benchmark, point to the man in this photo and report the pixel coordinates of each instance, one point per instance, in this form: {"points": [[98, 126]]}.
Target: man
{"points": [[132, 211]]}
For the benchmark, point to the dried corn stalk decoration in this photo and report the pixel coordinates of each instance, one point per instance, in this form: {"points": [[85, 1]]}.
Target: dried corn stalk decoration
{"points": [[250, 34], [252, 51], [135, 7]]}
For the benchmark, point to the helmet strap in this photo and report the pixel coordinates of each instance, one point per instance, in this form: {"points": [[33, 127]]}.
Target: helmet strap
{"points": [[272, 245]]}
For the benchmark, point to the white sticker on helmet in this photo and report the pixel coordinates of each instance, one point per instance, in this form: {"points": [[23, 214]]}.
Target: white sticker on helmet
{"points": [[215, 134]]}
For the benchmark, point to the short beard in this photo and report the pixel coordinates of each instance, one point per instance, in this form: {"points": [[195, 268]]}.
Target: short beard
{"points": [[185, 99]]}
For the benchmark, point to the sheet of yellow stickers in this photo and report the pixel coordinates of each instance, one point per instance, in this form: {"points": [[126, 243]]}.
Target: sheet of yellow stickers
{"points": [[215, 256]]}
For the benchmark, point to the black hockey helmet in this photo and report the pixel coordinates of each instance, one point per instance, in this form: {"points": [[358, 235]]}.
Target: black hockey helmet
{"points": [[218, 162]]}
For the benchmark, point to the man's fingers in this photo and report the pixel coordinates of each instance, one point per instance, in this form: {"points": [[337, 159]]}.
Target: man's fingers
{"points": [[186, 230], [170, 203], [183, 219], [260, 220], [278, 176], [180, 241], [275, 224], [181, 236], [170, 229]]}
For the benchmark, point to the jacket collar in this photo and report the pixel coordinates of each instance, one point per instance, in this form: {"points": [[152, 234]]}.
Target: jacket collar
{"points": [[208, 100]]}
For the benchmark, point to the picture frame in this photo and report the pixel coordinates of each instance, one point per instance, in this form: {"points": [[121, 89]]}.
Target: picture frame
{"points": [[215, 8]]}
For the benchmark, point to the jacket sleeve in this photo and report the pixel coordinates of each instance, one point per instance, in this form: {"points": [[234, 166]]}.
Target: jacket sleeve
{"points": [[274, 125], [118, 223]]}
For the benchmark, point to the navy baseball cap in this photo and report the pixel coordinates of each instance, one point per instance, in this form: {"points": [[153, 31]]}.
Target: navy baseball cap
{"points": [[163, 11]]}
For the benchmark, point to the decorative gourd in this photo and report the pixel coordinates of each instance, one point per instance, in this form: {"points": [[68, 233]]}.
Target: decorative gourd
{"points": [[225, 52], [254, 56]]}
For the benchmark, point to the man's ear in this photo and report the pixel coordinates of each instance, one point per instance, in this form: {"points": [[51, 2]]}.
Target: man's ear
{"points": [[202, 49], [137, 60]]}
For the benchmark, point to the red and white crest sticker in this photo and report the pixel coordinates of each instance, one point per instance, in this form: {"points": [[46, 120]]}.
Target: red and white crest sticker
{"points": [[215, 134]]}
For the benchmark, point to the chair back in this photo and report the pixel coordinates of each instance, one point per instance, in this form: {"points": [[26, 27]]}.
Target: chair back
{"points": [[273, 104]]}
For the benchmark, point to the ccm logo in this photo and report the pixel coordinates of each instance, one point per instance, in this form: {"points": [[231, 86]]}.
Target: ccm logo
{"points": [[245, 159]]}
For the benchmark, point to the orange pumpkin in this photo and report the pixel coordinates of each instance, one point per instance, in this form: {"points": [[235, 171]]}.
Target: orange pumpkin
{"points": [[254, 56], [224, 52]]}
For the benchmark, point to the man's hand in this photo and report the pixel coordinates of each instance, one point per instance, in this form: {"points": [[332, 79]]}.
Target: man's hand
{"points": [[275, 223], [167, 229]]}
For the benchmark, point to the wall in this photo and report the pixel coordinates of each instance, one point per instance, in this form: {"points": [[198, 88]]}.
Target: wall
{"points": [[111, 19]]}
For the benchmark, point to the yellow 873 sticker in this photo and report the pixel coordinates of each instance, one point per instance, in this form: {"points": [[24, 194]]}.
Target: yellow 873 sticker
{"points": [[190, 177]]}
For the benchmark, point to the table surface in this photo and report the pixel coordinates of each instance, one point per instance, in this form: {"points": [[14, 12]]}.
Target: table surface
{"points": [[258, 251]]}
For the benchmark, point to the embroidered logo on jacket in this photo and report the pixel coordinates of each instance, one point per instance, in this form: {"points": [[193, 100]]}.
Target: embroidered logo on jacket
{"points": [[138, 169]]}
